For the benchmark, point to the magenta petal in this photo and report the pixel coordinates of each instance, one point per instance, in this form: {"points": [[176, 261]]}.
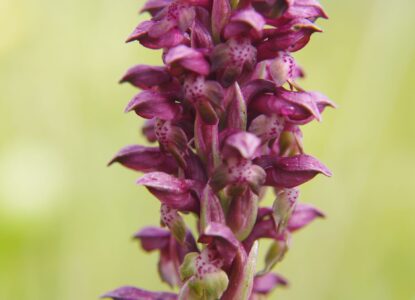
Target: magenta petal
{"points": [[155, 6], [172, 139], [236, 111], [148, 130], [295, 107], [245, 143], [265, 227], [170, 39], [251, 17], [194, 168], [197, 65], [178, 53], [243, 21], [232, 58], [188, 58], [257, 87], [132, 293], [144, 77], [309, 9], [267, 127], [207, 142], [302, 216], [268, 104], [221, 11], [164, 182], [153, 238], [222, 232], [145, 159], [186, 18], [243, 214], [292, 37], [201, 37], [280, 69], [322, 101], [176, 193], [149, 104], [264, 284], [301, 163], [161, 28], [140, 31], [210, 208], [224, 240], [303, 99], [292, 171]]}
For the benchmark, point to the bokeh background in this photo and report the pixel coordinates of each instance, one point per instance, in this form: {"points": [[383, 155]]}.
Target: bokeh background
{"points": [[66, 219]]}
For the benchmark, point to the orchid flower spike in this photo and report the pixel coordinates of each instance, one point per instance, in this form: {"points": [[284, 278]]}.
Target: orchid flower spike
{"points": [[224, 114]]}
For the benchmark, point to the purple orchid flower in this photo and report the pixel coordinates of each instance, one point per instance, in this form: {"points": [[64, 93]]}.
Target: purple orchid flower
{"points": [[172, 252], [225, 112], [265, 284]]}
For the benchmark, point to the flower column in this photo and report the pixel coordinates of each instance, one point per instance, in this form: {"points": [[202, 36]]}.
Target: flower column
{"points": [[226, 113]]}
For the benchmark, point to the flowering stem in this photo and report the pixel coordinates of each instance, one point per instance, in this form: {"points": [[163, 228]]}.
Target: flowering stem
{"points": [[225, 111]]}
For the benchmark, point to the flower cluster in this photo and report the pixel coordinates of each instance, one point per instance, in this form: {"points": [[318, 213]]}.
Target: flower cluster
{"points": [[225, 111]]}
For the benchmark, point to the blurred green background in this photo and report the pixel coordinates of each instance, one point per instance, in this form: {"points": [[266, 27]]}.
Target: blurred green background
{"points": [[66, 220]]}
